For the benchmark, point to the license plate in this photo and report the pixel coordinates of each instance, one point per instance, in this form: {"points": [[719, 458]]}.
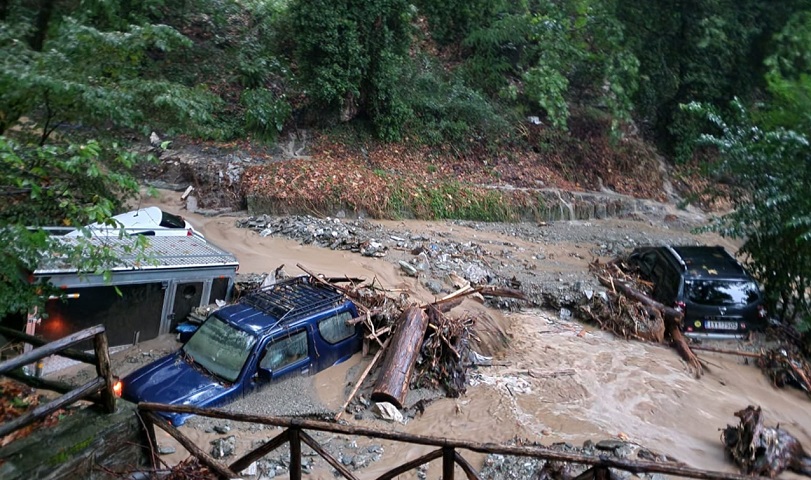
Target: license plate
{"points": [[714, 325]]}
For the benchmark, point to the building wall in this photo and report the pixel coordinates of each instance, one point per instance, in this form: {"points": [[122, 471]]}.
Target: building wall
{"points": [[133, 313]]}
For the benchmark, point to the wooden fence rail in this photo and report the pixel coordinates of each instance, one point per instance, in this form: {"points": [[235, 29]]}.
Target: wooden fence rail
{"points": [[448, 449], [102, 384]]}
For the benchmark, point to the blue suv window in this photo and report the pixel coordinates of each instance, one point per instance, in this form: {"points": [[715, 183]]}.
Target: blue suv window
{"points": [[285, 351], [220, 348], [334, 329]]}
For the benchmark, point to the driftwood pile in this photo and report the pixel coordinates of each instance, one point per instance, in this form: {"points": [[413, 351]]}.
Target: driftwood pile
{"points": [[630, 312], [420, 345], [765, 451]]}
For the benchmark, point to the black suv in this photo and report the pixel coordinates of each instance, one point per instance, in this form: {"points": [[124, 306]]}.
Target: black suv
{"points": [[716, 294]]}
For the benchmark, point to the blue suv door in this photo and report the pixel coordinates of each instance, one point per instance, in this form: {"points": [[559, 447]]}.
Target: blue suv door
{"points": [[288, 353], [335, 339]]}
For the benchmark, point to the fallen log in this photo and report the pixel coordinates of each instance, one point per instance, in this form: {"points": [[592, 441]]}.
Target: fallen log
{"points": [[680, 344], [361, 379], [727, 351], [398, 365]]}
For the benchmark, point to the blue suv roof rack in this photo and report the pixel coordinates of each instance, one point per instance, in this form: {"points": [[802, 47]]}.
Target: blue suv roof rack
{"points": [[293, 299]]}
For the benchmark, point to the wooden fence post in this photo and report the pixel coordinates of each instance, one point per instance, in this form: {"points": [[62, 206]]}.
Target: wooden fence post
{"points": [[448, 458], [295, 452], [104, 370]]}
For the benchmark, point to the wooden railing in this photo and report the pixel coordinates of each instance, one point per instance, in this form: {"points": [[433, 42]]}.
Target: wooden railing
{"points": [[448, 450], [98, 390]]}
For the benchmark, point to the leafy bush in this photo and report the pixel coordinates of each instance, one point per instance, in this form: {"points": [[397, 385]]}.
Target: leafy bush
{"points": [[546, 55], [89, 77], [453, 20], [265, 114], [349, 55], [445, 110], [770, 173]]}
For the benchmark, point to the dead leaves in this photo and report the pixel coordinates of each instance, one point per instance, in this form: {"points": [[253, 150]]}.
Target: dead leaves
{"points": [[16, 399]]}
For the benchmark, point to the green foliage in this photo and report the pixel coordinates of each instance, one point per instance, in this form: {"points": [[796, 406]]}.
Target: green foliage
{"points": [[453, 20], [548, 54], [789, 76], [55, 185], [265, 114], [771, 172], [86, 76], [350, 55], [447, 111], [699, 50], [450, 200], [499, 51], [262, 43]]}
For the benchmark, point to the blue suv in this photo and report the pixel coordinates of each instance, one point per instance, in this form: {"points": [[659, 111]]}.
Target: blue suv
{"points": [[295, 327]]}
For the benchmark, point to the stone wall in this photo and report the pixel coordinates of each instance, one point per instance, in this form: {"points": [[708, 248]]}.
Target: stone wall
{"points": [[530, 205]]}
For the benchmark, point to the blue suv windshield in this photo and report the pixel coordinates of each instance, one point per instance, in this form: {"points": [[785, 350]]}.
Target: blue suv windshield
{"points": [[722, 292], [220, 348]]}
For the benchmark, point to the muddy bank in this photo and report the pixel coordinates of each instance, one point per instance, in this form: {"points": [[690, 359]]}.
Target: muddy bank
{"points": [[226, 180]]}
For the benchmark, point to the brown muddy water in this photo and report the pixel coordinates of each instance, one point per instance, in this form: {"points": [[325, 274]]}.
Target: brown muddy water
{"points": [[558, 382]]}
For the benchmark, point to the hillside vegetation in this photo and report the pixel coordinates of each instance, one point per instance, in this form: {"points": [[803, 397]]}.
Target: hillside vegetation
{"points": [[416, 107]]}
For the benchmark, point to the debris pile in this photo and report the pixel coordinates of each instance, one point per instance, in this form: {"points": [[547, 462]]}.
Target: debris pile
{"points": [[764, 451], [415, 338], [628, 310], [417, 255], [784, 367], [333, 233], [444, 353]]}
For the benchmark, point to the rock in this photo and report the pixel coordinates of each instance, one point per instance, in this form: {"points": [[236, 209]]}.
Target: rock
{"points": [[388, 412], [222, 429], [408, 268], [609, 444], [360, 461], [476, 274], [250, 471], [434, 286], [223, 447], [476, 359], [166, 450], [191, 203]]}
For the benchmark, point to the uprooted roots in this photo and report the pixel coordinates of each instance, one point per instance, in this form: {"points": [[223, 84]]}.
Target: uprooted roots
{"points": [[760, 450]]}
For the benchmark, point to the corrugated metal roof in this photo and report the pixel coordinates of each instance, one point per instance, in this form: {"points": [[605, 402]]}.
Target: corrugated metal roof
{"points": [[165, 252]]}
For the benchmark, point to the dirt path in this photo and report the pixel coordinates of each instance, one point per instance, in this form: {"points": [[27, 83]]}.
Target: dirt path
{"points": [[560, 381]]}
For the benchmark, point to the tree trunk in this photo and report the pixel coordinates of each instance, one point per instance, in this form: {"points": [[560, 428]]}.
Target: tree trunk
{"points": [[395, 371], [43, 20]]}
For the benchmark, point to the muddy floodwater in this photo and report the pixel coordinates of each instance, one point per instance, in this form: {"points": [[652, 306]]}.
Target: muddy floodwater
{"points": [[559, 381]]}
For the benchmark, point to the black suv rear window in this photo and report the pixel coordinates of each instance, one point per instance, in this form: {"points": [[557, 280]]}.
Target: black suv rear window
{"points": [[721, 292], [169, 220]]}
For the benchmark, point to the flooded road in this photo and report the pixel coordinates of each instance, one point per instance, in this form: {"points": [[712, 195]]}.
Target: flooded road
{"points": [[558, 382]]}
